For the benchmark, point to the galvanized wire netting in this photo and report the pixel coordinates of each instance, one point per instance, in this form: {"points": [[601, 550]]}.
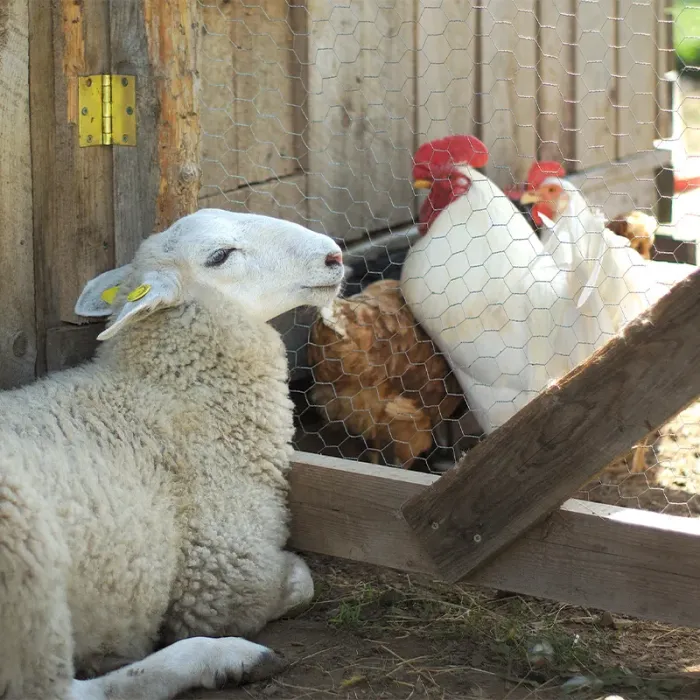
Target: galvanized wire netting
{"points": [[314, 110]]}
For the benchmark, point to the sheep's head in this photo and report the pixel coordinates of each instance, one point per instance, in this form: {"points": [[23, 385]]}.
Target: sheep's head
{"points": [[264, 265]]}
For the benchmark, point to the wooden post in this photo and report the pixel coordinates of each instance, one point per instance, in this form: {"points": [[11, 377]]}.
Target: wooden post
{"points": [[93, 206], [17, 320], [565, 436], [171, 27]]}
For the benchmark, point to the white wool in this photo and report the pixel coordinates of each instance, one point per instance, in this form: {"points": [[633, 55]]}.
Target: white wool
{"points": [[143, 495]]}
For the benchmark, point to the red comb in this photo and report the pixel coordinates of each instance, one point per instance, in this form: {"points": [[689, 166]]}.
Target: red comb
{"points": [[459, 149], [540, 170]]}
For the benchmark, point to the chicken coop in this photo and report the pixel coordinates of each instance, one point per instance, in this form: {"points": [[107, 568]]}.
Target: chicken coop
{"points": [[120, 116]]}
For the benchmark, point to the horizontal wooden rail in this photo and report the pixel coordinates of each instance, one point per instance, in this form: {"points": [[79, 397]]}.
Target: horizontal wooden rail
{"points": [[564, 437], [622, 560]]}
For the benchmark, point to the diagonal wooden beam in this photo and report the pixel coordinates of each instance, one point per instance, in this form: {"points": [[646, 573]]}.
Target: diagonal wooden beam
{"points": [[564, 437]]}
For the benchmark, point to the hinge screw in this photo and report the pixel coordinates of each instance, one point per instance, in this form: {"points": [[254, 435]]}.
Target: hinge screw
{"points": [[125, 138], [89, 139], [129, 110], [84, 111], [88, 82], [125, 82]]}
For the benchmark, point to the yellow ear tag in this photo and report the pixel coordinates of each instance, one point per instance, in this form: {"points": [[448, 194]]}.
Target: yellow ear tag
{"points": [[139, 293], [110, 294]]}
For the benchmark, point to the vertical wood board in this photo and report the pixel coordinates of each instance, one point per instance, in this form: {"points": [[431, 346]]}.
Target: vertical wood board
{"points": [[636, 77], [17, 322], [78, 242], [248, 94], [556, 93], [171, 30], [508, 67], [447, 79], [359, 110], [43, 137], [136, 177], [595, 94]]}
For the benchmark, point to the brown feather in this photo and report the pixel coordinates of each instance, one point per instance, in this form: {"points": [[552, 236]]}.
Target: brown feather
{"points": [[639, 228], [384, 379]]}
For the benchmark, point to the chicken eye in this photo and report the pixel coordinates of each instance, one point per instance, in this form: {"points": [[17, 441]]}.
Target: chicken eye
{"points": [[219, 257]]}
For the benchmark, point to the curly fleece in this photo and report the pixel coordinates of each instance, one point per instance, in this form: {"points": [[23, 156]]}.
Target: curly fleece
{"points": [[143, 497]]}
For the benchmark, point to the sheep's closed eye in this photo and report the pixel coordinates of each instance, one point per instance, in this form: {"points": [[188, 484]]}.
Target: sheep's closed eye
{"points": [[219, 257]]}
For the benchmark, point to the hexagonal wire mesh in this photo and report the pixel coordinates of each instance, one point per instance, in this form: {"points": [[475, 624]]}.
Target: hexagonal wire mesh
{"points": [[314, 112]]}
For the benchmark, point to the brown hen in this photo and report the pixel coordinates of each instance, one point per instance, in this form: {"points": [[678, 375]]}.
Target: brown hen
{"points": [[639, 228], [377, 372]]}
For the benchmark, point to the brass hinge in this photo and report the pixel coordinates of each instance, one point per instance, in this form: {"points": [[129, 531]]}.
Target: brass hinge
{"points": [[107, 110]]}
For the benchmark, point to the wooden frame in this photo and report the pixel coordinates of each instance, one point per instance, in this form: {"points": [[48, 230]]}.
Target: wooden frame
{"points": [[619, 559], [564, 437]]}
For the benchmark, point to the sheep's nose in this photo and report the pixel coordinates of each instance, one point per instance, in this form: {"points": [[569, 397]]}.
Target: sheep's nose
{"points": [[334, 259]]}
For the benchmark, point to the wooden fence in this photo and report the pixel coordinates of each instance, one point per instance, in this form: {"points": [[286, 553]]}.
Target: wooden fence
{"points": [[306, 109]]}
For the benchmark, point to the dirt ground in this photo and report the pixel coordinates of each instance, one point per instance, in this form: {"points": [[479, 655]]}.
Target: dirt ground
{"points": [[375, 633]]}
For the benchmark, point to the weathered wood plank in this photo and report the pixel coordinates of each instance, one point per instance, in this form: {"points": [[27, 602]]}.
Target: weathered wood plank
{"points": [[136, 177], [171, 29], [17, 321], [360, 115], [508, 66], [562, 438], [636, 77], [447, 75], [284, 198], [595, 93], [625, 185], [68, 346], [556, 68], [216, 96], [264, 105], [618, 559], [41, 115], [665, 56], [248, 93], [79, 240]]}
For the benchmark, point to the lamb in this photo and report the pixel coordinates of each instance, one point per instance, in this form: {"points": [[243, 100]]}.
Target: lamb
{"points": [[143, 495]]}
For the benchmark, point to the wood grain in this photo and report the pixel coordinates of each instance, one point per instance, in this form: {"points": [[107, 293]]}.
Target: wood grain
{"points": [[562, 438], [284, 198], [596, 88], [136, 176], [665, 59], [617, 559], [623, 185], [17, 321], [249, 94], [556, 68], [508, 87], [360, 116], [636, 78], [447, 74], [171, 27], [78, 241]]}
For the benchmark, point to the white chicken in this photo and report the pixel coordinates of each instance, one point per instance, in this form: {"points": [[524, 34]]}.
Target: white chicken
{"points": [[511, 313]]}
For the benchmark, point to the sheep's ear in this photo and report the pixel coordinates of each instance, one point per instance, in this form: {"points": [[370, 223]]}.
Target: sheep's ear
{"points": [[158, 290], [97, 296]]}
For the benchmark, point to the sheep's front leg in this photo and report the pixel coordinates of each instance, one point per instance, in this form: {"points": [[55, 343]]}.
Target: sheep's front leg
{"points": [[298, 590], [197, 662]]}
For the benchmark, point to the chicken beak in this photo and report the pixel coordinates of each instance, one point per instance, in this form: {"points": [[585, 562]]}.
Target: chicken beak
{"points": [[422, 185], [529, 198]]}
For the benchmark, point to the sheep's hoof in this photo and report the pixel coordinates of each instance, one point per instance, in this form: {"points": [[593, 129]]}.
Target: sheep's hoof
{"points": [[271, 663]]}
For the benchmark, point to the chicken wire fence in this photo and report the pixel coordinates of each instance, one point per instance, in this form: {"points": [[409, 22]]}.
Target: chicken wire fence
{"points": [[315, 112]]}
